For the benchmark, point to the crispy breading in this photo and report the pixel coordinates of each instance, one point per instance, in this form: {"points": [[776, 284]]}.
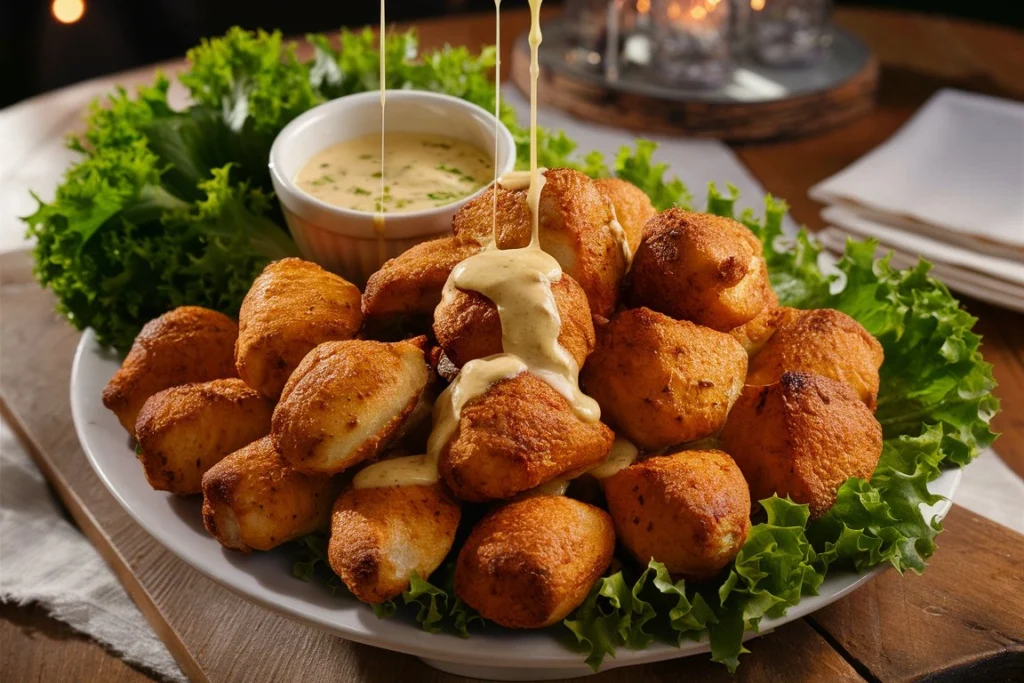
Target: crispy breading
{"points": [[802, 437], [662, 381], [575, 217], [826, 342], [346, 400], [467, 325], [411, 283], [254, 500], [186, 344], [381, 536], [519, 434], [753, 335], [700, 267], [633, 208], [530, 563], [689, 510], [291, 307], [184, 431]]}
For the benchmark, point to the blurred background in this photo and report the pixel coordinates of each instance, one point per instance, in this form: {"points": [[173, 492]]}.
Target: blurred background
{"points": [[45, 44]]}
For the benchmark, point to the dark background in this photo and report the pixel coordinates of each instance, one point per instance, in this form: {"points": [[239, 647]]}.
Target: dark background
{"points": [[37, 53]]}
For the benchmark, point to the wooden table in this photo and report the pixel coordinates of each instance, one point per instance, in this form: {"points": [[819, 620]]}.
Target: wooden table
{"points": [[962, 618]]}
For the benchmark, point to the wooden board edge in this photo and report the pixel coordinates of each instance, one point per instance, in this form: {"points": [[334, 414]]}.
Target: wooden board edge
{"points": [[92, 530]]}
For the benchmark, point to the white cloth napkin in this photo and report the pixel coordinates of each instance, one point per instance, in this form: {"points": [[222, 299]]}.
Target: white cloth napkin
{"points": [[46, 560], [954, 171]]}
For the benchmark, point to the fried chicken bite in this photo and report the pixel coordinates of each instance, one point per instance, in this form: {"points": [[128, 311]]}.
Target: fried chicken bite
{"points": [[826, 342], [291, 307], [700, 267], [689, 510], [184, 431], [530, 563], [186, 344], [661, 381], [575, 228], [753, 335], [346, 400], [467, 325], [411, 283], [254, 500], [517, 435], [381, 536], [802, 437], [633, 208]]}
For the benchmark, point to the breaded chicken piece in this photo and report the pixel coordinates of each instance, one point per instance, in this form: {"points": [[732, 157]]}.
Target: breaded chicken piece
{"points": [[184, 431], [802, 437], [826, 342], [575, 228], [662, 381], [187, 344], [346, 400], [530, 563], [381, 536], [411, 284], [633, 208], [467, 325], [291, 307], [254, 500], [700, 267], [689, 510], [754, 334], [519, 434]]}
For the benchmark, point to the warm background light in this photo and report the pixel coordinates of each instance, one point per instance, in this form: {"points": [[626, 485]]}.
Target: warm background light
{"points": [[757, 5], [68, 11]]}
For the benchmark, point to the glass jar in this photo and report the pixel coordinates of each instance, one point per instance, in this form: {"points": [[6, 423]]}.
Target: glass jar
{"points": [[692, 41], [789, 33]]}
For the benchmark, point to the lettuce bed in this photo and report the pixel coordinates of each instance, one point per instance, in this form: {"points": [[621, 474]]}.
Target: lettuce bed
{"points": [[169, 208]]}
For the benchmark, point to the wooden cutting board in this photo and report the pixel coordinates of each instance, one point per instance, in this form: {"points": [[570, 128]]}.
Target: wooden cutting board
{"points": [[963, 617]]}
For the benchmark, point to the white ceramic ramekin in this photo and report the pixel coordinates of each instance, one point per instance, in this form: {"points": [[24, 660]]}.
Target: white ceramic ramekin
{"points": [[342, 240]]}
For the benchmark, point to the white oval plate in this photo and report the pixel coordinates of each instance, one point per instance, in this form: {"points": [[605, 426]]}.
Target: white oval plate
{"points": [[265, 578]]}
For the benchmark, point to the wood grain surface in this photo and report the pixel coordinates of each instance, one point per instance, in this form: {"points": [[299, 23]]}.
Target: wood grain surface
{"points": [[960, 621]]}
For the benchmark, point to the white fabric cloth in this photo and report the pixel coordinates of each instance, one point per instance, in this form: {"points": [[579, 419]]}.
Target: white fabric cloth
{"points": [[46, 560]]}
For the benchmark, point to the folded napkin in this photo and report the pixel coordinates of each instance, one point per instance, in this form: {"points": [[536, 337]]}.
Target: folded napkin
{"points": [[954, 173], [48, 561]]}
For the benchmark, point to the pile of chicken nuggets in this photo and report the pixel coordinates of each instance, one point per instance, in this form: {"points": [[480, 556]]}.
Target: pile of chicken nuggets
{"points": [[727, 398]]}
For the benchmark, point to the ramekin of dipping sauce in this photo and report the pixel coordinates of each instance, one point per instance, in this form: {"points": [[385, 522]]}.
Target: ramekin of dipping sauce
{"points": [[317, 188]]}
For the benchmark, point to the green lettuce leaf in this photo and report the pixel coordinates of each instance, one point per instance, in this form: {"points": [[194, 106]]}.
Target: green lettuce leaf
{"points": [[775, 567]]}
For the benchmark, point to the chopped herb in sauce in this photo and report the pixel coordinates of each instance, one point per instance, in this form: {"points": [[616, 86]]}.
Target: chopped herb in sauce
{"points": [[420, 171]]}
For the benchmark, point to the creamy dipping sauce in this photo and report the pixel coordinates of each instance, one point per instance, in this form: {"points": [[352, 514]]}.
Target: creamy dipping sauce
{"points": [[423, 171]]}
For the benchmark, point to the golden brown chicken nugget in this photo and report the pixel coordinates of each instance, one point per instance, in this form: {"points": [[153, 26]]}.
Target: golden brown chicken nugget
{"points": [[753, 335], [633, 208], [467, 325], [184, 431], [254, 500], [530, 563], [575, 219], [380, 537], [802, 437], [689, 510], [291, 307], [825, 342], [187, 344], [411, 284], [346, 400], [519, 434], [700, 267], [662, 381]]}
